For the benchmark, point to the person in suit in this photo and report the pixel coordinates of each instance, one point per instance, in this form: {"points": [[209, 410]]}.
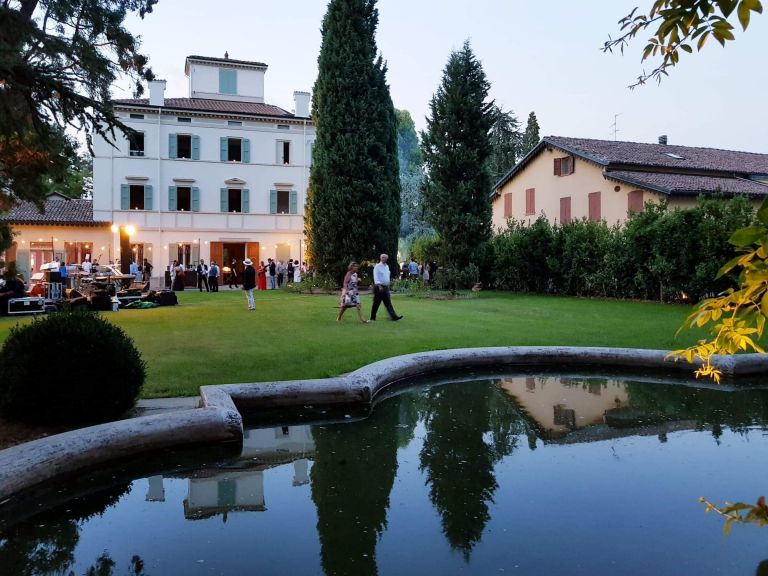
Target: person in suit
{"points": [[202, 276], [249, 282], [272, 274]]}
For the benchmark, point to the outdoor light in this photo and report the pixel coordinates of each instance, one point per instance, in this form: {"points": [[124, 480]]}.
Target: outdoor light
{"points": [[113, 227], [130, 229]]}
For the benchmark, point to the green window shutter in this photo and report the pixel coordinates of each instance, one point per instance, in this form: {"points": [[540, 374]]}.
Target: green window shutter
{"points": [[148, 197], [227, 81], [125, 197], [293, 202], [246, 150], [172, 203], [224, 148], [224, 200], [173, 146], [245, 200], [195, 199], [273, 201], [195, 147]]}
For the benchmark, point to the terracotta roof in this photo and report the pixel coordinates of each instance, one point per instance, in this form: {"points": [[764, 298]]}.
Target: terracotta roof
{"points": [[227, 60], [608, 152], [59, 211], [687, 184], [215, 106]]}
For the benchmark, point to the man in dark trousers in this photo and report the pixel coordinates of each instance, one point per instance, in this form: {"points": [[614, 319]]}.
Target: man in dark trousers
{"points": [[233, 273], [381, 289], [213, 276], [202, 276]]}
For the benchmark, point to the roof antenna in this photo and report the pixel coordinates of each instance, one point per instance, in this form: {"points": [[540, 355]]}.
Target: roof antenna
{"points": [[226, 54], [615, 126]]}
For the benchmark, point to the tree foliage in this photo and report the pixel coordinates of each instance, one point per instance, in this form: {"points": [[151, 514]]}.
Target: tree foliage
{"points": [[677, 26], [58, 61], [737, 316], [456, 149], [530, 136], [506, 142], [413, 222], [353, 204]]}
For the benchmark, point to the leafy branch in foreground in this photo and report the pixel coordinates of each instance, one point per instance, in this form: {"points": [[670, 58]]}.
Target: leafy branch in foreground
{"points": [[737, 316], [755, 513], [679, 25]]}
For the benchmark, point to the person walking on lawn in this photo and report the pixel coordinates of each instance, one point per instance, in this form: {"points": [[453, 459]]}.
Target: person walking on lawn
{"points": [[349, 296], [249, 282], [381, 289]]}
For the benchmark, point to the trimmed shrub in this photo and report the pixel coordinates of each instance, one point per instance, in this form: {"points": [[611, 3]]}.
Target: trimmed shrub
{"points": [[71, 367]]}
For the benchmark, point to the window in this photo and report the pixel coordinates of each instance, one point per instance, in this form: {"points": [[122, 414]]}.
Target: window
{"points": [[136, 144], [234, 123], [136, 201], [184, 146], [564, 166], [283, 127], [508, 205], [530, 201], [227, 81], [235, 200], [183, 254], [235, 149], [183, 198], [283, 202], [137, 116], [283, 152], [594, 206], [184, 120], [135, 197], [565, 210], [635, 201]]}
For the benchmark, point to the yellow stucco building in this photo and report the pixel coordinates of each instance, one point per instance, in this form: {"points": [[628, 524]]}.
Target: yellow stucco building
{"points": [[566, 179]]}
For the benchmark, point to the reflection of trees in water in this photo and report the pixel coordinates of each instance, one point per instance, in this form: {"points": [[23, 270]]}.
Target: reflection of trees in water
{"points": [[105, 566], [738, 410], [352, 476], [44, 544], [470, 427]]}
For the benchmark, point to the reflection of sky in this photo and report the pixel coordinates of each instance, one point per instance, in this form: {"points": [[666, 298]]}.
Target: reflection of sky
{"points": [[622, 506]]}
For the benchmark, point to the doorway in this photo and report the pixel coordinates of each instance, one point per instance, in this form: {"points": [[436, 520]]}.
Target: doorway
{"points": [[234, 250]]}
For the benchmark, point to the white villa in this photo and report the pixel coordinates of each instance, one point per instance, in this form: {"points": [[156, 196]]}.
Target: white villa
{"points": [[218, 175]]}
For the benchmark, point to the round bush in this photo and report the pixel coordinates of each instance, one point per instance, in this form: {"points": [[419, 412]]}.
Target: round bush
{"points": [[71, 367]]}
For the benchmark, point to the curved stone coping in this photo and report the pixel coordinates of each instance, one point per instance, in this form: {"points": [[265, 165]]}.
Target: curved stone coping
{"points": [[364, 384], [219, 418], [38, 461]]}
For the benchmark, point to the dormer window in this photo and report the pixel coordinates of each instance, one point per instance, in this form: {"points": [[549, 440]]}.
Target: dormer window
{"points": [[675, 156], [227, 81], [564, 166]]}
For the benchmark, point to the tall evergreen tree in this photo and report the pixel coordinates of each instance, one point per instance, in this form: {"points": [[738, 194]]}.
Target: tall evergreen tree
{"points": [[505, 143], [456, 148], [531, 135], [353, 202]]}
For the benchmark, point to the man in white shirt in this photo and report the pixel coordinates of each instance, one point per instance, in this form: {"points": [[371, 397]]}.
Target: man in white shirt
{"points": [[381, 289]]}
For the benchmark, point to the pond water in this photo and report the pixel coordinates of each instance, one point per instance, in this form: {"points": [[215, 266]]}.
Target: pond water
{"points": [[508, 475]]}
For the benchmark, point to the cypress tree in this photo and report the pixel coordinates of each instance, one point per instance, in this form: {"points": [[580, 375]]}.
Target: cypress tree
{"points": [[456, 148], [353, 202], [531, 135]]}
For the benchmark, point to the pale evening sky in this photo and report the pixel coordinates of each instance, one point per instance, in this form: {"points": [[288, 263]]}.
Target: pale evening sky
{"points": [[540, 56]]}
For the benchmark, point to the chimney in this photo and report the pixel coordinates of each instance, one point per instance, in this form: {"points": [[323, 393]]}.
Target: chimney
{"points": [[663, 139], [157, 93], [301, 104]]}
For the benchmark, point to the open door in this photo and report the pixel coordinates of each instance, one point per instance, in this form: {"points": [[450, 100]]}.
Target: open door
{"points": [[252, 252], [217, 253]]}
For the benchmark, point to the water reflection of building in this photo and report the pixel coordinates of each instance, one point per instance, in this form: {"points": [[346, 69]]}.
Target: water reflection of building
{"points": [[560, 405], [239, 486]]}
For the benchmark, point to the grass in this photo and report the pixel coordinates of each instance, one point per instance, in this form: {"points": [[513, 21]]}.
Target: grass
{"points": [[214, 339]]}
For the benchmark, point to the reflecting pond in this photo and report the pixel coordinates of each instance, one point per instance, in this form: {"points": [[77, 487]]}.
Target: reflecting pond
{"points": [[523, 474]]}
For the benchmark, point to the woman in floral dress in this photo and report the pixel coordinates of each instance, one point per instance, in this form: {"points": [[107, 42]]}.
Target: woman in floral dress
{"points": [[349, 295]]}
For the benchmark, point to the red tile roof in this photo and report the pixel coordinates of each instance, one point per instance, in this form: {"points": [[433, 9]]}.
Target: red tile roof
{"points": [[214, 106], [687, 184], [58, 211]]}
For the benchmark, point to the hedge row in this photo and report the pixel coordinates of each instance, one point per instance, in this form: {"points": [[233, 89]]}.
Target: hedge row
{"points": [[658, 254]]}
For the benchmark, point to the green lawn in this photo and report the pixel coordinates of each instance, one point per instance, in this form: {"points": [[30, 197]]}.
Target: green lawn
{"points": [[213, 339]]}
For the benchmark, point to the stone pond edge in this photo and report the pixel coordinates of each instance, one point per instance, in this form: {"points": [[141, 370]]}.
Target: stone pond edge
{"points": [[219, 420]]}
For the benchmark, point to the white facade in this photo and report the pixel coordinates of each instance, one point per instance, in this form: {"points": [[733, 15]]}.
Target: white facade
{"points": [[208, 204]]}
